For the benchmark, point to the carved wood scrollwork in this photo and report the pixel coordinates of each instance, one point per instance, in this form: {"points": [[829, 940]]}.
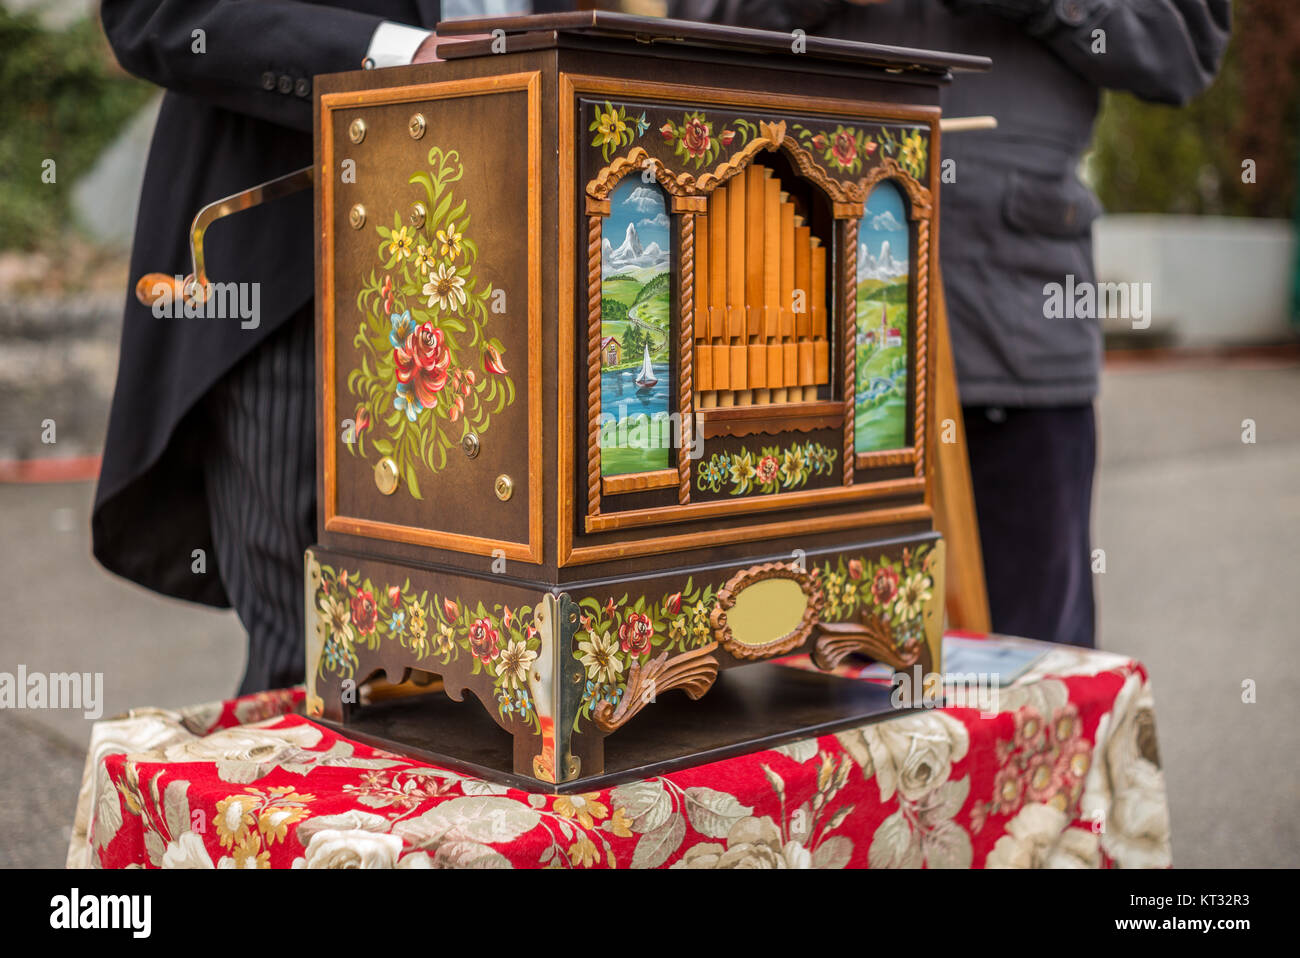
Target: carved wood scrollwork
{"points": [[693, 672], [809, 582], [872, 637]]}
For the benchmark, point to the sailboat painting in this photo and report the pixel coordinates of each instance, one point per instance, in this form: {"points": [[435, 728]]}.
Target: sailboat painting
{"points": [[635, 331]]}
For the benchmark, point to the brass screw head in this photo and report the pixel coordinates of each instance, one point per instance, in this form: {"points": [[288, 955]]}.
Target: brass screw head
{"points": [[357, 216], [357, 130], [417, 215], [416, 126], [505, 487], [470, 444], [386, 475]]}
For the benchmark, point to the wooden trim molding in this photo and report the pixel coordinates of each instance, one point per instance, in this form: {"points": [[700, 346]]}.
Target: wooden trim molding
{"points": [[531, 84], [638, 481], [660, 515], [770, 419], [686, 358]]}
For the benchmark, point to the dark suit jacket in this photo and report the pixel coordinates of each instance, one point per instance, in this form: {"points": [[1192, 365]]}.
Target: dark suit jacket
{"points": [[1017, 218], [235, 115]]}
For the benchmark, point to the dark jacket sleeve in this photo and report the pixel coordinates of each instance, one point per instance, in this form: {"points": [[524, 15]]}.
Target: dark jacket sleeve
{"points": [[1166, 51], [246, 48], [780, 15]]}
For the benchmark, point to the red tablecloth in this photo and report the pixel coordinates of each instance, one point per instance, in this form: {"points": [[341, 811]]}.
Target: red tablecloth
{"points": [[1063, 773]]}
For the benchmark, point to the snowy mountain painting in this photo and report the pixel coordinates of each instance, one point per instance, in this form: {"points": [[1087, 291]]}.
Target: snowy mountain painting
{"points": [[881, 390], [635, 327]]}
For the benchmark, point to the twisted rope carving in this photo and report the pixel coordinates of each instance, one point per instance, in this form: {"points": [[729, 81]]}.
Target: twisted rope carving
{"points": [[922, 344], [850, 247], [594, 224], [687, 359]]}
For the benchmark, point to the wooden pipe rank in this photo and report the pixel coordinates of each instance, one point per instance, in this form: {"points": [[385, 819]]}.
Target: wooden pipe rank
{"points": [[623, 393]]}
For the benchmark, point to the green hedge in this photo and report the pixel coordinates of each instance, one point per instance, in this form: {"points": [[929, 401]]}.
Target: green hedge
{"points": [[65, 99]]}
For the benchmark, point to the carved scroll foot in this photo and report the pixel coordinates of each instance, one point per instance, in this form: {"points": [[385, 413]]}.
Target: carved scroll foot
{"points": [[836, 641], [693, 672]]}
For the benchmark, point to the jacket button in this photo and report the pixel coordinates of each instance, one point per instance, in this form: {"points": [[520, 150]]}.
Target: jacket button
{"points": [[1072, 12], [268, 80], [302, 87], [286, 84]]}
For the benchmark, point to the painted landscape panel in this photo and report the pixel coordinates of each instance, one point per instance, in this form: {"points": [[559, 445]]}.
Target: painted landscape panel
{"points": [[880, 411], [635, 331]]}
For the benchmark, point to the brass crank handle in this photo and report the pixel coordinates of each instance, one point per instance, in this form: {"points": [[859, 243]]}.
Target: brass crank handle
{"points": [[154, 286]]}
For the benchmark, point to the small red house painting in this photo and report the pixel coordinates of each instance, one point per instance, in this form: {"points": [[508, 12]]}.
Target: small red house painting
{"points": [[611, 351]]}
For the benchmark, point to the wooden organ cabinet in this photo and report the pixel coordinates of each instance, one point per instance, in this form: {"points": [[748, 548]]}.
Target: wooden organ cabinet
{"points": [[623, 334]]}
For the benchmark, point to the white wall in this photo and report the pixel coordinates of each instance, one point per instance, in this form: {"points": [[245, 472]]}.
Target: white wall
{"points": [[1215, 280]]}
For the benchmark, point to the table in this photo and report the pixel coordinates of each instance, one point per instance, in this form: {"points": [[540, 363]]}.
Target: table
{"points": [[1061, 770]]}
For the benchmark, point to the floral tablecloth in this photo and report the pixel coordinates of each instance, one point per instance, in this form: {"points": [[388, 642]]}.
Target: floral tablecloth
{"points": [[1064, 772]]}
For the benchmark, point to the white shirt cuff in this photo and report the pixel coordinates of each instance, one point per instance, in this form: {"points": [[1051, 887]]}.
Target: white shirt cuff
{"points": [[394, 44]]}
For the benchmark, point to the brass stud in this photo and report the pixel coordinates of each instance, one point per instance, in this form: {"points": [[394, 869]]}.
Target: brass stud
{"points": [[386, 475], [505, 487], [417, 215], [357, 216], [357, 130], [416, 126], [470, 444]]}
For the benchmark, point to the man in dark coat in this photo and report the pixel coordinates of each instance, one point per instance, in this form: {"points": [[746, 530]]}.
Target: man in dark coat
{"points": [[208, 484], [1015, 220]]}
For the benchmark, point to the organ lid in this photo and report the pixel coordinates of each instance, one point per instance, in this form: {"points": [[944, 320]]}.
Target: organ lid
{"points": [[579, 28]]}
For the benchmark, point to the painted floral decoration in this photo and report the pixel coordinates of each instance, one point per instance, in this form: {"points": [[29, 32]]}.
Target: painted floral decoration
{"points": [[771, 469], [614, 636], [429, 371], [843, 148], [502, 641], [615, 129], [697, 142]]}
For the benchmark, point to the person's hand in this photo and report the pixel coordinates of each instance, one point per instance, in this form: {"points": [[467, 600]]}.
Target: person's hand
{"points": [[427, 52]]}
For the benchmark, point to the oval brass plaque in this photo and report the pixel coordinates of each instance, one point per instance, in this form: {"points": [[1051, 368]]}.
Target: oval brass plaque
{"points": [[767, 610]]}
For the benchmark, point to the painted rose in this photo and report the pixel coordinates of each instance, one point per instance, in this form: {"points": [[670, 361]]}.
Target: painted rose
{"points": [[668, 131], [673, 604], [884, 586], [1038, 838], [845, 148], [697, 136], [483, 640], [422, 363], [819, 142], [350, 848], [855, 568], [913, 755], [767, 470], [726, 136], [365, 614], [634, 635]]}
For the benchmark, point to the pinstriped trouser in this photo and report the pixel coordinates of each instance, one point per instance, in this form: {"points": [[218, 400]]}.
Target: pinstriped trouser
{"points": [[258, 450]]}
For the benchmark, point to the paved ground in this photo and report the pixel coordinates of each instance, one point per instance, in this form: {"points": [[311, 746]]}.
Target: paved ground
{"points": [[1200, 532]]}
